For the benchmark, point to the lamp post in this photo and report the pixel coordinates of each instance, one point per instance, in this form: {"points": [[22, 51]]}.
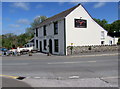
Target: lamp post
{"points": [[114, 37], [71, 48]]}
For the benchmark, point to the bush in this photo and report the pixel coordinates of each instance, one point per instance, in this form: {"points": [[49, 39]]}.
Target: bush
{"points": [[118, 41]]}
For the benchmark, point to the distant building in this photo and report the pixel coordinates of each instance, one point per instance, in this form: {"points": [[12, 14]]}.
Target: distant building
{"points": [[30, 43], [75, 27]]}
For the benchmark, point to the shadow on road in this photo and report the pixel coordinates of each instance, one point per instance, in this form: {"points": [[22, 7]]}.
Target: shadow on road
{"points": [[8, 83]]}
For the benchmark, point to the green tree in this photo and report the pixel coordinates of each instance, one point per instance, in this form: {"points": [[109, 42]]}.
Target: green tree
{"points": [[38, 20], [115, 26], [103, 23], [35, 23]]}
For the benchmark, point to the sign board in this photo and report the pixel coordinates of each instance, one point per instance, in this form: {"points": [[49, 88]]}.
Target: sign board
{"points": [[80, 23]]}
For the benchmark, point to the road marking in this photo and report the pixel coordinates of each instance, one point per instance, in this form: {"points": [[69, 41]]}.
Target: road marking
{"points": [[71, 62], [13, 77], [74, 77], [109, 77], [37, 77], [91, 61]]}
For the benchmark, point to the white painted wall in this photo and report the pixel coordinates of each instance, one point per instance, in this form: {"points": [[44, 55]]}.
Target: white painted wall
{"points": [[83, 36], [50, 35]]}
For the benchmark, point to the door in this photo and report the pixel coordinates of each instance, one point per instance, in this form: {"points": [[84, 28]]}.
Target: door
{"points": [[50, 46], [40, 46]]}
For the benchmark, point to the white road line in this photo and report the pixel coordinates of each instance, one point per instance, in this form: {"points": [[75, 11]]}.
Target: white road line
{"points": [[73, 77], [109, 77], [71, 62], [37, 77]]}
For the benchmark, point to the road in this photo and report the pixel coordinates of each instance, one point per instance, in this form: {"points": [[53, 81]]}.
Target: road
{"points": [[38, 66]]}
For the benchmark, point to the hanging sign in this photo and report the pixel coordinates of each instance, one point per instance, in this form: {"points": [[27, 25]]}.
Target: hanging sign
{"points": [[80, 23]]}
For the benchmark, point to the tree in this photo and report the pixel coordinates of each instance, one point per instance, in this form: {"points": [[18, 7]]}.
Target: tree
{"points": [[103, 23], [38, 20], [34, 24], [9, 40], [30, 31], [115, 26]]}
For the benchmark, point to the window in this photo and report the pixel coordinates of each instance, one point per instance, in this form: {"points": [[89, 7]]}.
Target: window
{"points": [[37, 44], [56, 45], [36, 32], [80, 23], [56, 28], [44, 30], [102, 34], [102, 42], [110, 42], [45, 44]]}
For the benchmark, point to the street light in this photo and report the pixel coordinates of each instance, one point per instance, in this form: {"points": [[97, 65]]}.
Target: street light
{"points": [[71, 48], [114, 37]]}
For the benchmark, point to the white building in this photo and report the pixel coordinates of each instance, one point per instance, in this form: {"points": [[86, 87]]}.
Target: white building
{"points": [[75, 27]]}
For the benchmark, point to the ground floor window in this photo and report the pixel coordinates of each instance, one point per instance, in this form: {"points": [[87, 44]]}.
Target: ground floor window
{"points": [[56, 45], [45, 44], [36, 43]]}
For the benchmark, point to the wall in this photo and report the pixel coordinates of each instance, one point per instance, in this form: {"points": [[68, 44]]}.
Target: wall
{"points": [[50, 35], [88, 49], [84, 36]]}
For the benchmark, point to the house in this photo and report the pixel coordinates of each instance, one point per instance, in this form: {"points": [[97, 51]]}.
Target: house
{"points": [[30, 43], [74, 26]]}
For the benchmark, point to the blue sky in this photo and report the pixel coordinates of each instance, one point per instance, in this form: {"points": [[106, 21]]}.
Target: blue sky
{"points": [[17, 16]]}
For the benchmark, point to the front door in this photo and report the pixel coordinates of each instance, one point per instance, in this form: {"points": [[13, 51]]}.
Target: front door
{"points": [[40, 46], [50, 46]]}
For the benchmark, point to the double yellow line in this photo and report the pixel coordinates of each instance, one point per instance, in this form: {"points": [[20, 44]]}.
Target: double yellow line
{"points": [[13, 77]]}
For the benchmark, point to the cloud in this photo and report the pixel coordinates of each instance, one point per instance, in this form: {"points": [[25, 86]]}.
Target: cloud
{"points": [[22, 5], [23, 21], [99, 4], [14, 25]]}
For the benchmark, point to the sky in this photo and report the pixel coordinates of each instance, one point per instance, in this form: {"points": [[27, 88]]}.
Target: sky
{"points": [[17, 16]]}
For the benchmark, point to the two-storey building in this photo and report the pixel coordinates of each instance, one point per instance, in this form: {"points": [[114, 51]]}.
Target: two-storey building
{"points": [[74, 26]]}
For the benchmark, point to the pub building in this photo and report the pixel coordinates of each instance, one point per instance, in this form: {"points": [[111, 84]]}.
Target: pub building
{"points": [[74, 26]]}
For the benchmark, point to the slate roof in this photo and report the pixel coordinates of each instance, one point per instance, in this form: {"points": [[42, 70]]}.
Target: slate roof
{"points": [[58, 16]]}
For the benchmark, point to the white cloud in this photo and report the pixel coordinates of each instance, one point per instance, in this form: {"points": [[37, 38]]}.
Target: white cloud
{"points": [[22, 5], [99, 4], [14, 25], [23, 21]]}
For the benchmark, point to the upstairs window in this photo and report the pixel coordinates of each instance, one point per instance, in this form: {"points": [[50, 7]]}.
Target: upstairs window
{"points": [[102, 34], [44, 30], [56, 28], [36, 32]]}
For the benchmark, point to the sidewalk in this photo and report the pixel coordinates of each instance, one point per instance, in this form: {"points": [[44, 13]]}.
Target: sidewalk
{"points": [[89, 82]]}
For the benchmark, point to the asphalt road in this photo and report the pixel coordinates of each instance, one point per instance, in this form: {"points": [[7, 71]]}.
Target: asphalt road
{"points": [[50, 67]]}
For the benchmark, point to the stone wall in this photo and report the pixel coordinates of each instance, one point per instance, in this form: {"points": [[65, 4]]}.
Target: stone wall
{"points": [[88, 49]]}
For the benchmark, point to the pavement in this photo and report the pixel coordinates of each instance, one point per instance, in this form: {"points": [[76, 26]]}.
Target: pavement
{"points": [[87, 70], [9, 82], [38, 82]]}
